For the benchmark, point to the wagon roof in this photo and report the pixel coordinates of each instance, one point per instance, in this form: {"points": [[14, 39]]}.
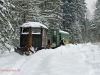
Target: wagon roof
{"points": [[34, 25], [61, 31]]}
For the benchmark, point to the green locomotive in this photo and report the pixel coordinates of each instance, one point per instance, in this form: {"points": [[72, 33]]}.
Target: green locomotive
{"points": [[55, 35]]}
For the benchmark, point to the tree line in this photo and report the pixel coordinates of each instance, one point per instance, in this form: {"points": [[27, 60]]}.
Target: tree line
{"points": [[68, 15]]}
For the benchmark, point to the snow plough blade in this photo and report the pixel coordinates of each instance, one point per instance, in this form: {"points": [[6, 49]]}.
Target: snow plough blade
{"points": [[19, 50]]}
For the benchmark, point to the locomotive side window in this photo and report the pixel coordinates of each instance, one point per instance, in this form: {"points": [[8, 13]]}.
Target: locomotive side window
{"points": [[36, 30], [54, 32], [25, 30]]}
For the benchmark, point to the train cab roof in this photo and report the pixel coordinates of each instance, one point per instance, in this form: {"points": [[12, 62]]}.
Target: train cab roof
{"points": [[63, 32], [34, 25]]}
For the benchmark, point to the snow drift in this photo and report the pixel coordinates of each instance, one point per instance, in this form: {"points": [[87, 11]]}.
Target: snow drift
{"points": [[81, 59]]}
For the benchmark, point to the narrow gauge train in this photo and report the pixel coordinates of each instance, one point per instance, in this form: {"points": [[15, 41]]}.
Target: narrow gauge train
{"points": [[39, 36], [54, 36]]}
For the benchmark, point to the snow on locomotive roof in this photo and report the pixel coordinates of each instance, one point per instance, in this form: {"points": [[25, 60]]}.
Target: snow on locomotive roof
{"points": [[63, 32], [34, 24]]}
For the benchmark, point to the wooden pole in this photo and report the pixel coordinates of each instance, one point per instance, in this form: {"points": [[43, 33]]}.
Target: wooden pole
{"points": [[29, 44]]}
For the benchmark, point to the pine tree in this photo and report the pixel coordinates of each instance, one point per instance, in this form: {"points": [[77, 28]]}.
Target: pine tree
{"points": [[95, 27], [6, 28], [74, 18], [51, 10]]}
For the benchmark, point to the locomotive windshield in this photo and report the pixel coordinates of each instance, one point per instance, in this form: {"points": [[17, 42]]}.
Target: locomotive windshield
{"points": [[25, 30], [34, 30]]}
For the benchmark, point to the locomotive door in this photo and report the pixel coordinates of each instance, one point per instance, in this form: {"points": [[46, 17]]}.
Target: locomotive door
{"points": [[37, 41], [23, 40]]}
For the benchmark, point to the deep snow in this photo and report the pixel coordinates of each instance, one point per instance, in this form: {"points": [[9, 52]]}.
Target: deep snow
{"points": [[80, 59]]}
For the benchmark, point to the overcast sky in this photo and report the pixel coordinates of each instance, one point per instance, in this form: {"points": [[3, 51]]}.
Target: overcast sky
{"points": [[91, 5], [91, 8]]}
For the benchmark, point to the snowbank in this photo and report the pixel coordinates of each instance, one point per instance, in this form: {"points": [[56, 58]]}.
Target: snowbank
{"points": [[81, 59]]}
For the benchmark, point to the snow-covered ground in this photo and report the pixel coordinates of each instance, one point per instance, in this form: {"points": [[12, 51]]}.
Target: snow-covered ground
{"points": [[80, 59]]}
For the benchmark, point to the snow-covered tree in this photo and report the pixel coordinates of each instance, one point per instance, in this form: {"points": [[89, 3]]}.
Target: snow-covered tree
{"points": [[95, 27], [74, 18], [35, 11], [11, 17], [6, 28], [50, 12]]}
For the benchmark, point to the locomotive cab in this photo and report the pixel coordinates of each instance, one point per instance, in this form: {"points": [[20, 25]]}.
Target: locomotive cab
{"points": [[36, 31]]}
